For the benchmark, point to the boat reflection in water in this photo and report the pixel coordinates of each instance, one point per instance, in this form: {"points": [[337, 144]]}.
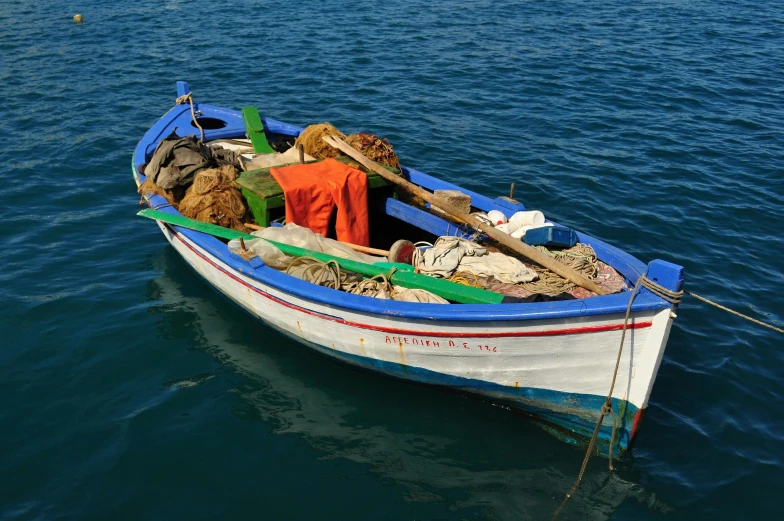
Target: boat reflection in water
{"points": [[435, 446]]}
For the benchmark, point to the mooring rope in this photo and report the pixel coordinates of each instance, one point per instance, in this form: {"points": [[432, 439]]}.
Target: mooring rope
{"points": [[673, 297], [189, 98], [741, 315]]}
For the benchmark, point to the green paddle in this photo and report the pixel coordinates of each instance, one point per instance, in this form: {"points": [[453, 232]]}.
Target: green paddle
{"points": [[408, 279]]}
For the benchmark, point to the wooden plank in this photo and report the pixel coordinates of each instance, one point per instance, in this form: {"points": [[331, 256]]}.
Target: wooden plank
{"points": [[407, 279], [510, 242]]}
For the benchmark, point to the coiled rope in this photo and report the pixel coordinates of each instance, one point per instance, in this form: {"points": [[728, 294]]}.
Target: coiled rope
{"points": [[466, 278], [329, 274], [581, 258], [419, 252], [189, 98]]}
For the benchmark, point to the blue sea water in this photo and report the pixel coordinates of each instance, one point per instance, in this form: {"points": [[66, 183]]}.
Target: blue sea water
{"points": [[131, 391]]}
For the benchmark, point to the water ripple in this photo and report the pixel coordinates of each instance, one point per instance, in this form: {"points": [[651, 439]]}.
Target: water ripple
{"points": [[654, 125]]}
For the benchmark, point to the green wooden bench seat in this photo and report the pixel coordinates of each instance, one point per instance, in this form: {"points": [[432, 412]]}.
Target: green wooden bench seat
{"points": [[264, 194]]}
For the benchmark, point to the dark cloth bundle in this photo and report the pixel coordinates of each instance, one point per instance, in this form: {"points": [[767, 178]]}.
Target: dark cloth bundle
{"points": [[176, 161]]}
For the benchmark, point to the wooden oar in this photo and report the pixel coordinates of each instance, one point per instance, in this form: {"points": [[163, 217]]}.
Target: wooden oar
{"points": [[408, 279], [355, 247], [507, 240]]}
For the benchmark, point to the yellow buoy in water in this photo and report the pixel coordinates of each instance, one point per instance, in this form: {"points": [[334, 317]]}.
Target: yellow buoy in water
{"points": [[78, 18]]}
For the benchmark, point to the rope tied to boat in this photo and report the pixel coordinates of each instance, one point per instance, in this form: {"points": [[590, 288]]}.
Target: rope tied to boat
{"points": [[728, 310], [188, 98], [673, 297]]}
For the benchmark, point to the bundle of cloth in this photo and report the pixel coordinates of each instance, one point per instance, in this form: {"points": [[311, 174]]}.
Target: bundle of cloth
{"points": [[177, 160], [450, 255]]}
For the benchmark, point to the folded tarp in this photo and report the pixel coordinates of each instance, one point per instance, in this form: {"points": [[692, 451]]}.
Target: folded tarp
{"points": [[301, 237]]}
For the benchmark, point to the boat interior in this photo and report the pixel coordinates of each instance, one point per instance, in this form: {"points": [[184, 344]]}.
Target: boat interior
{"points": [[402, 227]]}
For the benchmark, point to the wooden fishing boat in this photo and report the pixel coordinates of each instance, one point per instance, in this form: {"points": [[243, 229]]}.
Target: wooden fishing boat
{"points": [[553, 361]]}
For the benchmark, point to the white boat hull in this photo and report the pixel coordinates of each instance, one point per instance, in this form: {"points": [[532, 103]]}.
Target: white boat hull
{"points": [[558, 370]]}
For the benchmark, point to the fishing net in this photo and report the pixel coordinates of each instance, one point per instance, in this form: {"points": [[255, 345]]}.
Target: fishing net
{"points": [[214, 198], [310, 139], [173, 196], [376, 148]]}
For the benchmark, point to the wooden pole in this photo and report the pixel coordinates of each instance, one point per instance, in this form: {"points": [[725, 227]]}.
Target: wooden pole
{"points": [[355, 247], [507, 240]]}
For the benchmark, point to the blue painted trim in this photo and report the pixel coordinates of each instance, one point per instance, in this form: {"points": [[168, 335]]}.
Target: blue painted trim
{"points": [[510, 208], [606, 305], [424, 220], [182, 88], [480, 201]]}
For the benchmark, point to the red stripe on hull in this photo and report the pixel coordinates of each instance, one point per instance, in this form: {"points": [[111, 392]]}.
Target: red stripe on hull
{"points": [[636, 423]]}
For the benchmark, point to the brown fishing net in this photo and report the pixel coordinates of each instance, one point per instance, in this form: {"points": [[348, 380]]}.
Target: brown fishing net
{"points": [[174, 196], [214, 198], [376, 148], [310, 139]]}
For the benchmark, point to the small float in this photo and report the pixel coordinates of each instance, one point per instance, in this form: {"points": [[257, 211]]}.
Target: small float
{"points": [[554, 359]]}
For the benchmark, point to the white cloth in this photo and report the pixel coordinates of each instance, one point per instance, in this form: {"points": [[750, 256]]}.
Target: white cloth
{"points": [[451, 254]]}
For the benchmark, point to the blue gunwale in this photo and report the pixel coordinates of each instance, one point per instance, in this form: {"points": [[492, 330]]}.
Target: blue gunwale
{"points": [[630, 267]]}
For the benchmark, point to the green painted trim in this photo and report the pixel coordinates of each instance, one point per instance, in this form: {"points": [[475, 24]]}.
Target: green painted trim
{"points": [[407, 279], [255, 130]]}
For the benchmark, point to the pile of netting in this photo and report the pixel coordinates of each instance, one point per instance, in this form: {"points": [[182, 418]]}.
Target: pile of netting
{"points": [[173, 196], [311, 141], [214, 198], [376, 148]]}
